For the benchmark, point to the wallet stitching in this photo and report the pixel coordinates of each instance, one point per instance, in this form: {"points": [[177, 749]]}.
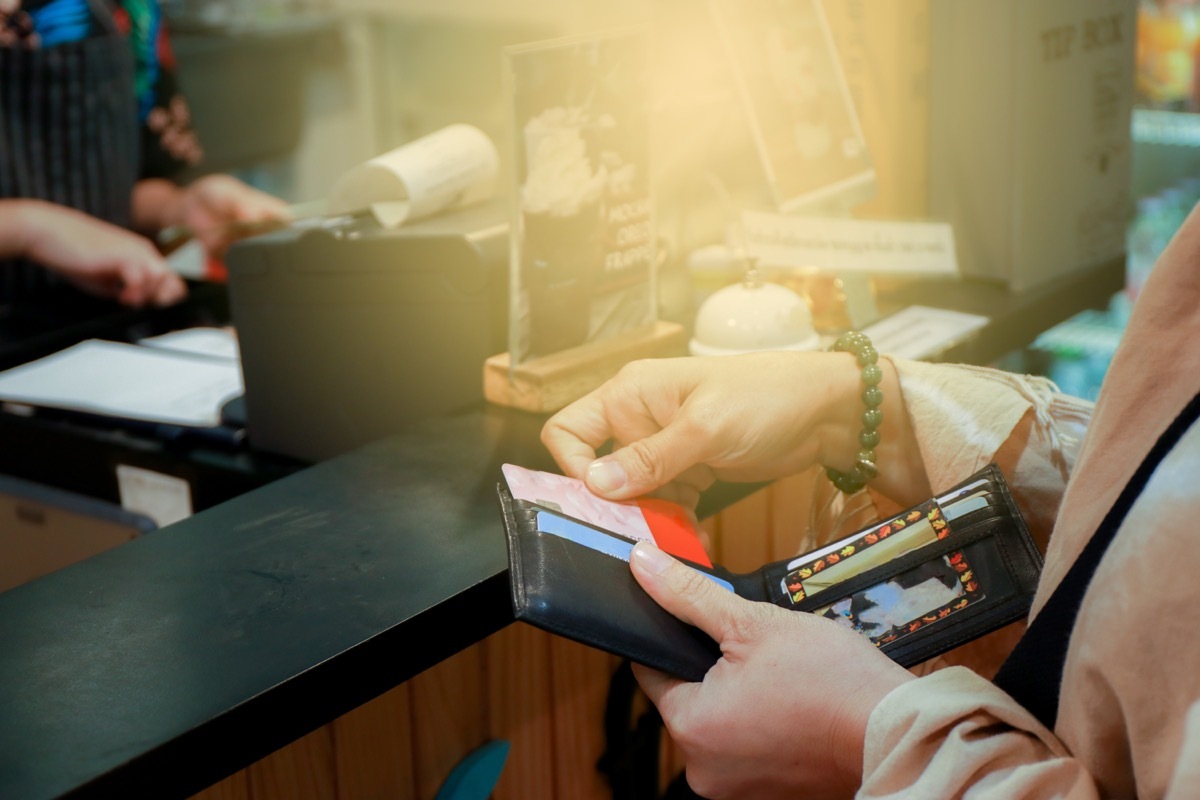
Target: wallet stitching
{"points": [[997, 608], [965, 629]]}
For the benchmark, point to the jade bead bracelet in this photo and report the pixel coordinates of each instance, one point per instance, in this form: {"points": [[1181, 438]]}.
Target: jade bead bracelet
{"points": [[864, 468]]}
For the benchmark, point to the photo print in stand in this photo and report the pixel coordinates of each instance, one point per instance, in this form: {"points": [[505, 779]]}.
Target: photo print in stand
{"points": [[795, 94], [583, 253]]}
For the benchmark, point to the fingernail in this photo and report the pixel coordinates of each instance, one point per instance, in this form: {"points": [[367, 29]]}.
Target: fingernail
{"points": [[606, 474], [650, 558]]}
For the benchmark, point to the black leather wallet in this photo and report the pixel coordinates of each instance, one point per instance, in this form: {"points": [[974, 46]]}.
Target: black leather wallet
{"points": [[931, 578]]}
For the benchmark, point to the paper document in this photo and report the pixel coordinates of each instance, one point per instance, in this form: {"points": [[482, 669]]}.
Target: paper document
{"points": [[127, 381], [190, 260], [203, 341], [920, 331]]}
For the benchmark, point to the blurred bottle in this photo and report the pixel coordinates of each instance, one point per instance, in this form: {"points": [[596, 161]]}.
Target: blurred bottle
{"points": [[1168, 32], [1190, 187], [1069, 369], [1178, 204], [1148, 234]]}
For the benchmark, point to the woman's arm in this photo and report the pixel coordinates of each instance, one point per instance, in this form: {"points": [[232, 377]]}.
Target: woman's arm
{"points": [[739, 418]]}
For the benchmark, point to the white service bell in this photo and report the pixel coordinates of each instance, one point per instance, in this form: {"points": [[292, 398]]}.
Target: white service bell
{"points": [[750, 316]]}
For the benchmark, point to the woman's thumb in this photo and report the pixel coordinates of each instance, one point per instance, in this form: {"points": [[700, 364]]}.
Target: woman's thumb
{"points": [[644, 465], [693, 596]]}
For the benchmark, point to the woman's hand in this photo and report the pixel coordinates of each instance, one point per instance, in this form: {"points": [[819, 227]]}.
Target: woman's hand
{"points": [[738, 418], [97, 257], [784, 712]]}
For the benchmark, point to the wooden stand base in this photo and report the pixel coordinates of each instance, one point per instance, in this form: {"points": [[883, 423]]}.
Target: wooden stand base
{"points": [[547, 384]]}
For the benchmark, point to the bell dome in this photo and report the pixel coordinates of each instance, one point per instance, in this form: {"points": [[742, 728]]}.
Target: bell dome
{"points": [[750, 316]]}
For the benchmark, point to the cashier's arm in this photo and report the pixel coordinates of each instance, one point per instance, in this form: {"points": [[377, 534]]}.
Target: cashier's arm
{"points": [[216, 209], [97, 257]]}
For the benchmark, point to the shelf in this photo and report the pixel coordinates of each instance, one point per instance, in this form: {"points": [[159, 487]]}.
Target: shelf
{"points": [[1172, 128]]}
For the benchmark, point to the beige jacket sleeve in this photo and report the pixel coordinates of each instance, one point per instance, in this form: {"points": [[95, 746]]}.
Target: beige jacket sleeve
{"points": [[952, 733], [1128, 722], [966, 417]]}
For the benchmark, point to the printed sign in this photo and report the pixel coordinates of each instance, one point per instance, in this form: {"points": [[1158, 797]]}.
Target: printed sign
{"points": [[584, 248]]}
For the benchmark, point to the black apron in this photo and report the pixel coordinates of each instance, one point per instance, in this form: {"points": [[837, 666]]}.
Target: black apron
{"points": [[68, 134]]}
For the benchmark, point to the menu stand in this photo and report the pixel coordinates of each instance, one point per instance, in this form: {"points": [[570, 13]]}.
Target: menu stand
{"points": [[550, 382]]}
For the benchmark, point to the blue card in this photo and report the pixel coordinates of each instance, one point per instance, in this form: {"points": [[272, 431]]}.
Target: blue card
{"points": [[598, 540]]}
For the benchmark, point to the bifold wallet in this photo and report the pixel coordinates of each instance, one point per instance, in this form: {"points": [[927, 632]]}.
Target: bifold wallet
{"points": [[931, 578]]}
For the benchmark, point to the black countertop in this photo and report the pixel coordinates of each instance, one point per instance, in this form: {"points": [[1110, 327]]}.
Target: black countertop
{"points": [[243, 627]]}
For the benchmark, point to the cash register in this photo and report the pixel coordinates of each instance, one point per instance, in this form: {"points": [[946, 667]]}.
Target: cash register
{"points": [[350, 331]]}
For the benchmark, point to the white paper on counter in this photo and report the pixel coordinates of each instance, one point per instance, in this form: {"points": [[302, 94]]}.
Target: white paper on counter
{"points": [[917, 332], [127, 381], [203, 341], [163, 498], [456, 165]]}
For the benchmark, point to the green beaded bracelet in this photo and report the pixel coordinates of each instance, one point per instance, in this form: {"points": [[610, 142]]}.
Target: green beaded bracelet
{"points": [[864, 468]]}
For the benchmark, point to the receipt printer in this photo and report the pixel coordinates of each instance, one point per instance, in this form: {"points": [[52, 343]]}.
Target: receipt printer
{"points": [[350, 331]]}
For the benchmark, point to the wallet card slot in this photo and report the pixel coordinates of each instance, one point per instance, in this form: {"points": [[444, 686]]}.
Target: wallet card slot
{"points": [[958, 629], [574, 591], [919, 600], [993, 592], [966, 489], [958, 540], [964, 507], [971, 504], [611, 545]]}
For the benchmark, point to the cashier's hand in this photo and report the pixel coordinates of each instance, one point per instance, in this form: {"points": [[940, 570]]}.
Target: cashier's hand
{"points": [[681, 423], [784, 711], [97, 257], [220, 209]]}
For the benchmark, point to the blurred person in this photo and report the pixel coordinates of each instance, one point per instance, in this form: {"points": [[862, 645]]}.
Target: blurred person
{"points": [[93, 136], [1097, 697]]}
